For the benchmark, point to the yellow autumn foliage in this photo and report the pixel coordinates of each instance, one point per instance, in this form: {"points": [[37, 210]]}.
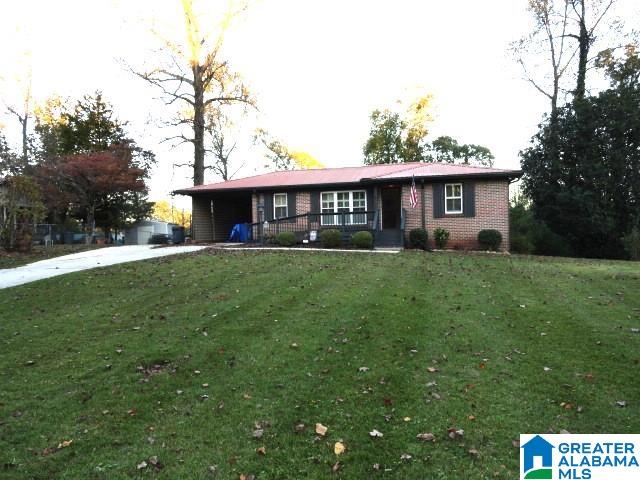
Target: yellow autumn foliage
{"points": [[164, 212], [305, 161]]}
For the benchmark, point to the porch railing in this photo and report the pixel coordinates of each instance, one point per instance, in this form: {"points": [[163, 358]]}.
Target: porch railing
{"points": [[303, 225]]}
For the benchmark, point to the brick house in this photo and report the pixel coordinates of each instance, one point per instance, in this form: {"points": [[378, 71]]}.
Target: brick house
{"points": [[462, 199]]}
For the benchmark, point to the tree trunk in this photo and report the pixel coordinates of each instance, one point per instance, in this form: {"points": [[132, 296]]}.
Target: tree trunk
{"points": [[198, 126], [584, 43], [24, 122]]}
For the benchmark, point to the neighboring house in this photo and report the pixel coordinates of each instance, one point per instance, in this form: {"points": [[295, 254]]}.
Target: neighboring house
{"points": [[462, 199]]}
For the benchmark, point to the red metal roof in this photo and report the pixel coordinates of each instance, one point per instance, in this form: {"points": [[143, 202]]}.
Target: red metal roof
{"points": [[327, 176]]}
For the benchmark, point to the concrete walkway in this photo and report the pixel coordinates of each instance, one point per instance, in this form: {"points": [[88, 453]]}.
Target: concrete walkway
{"points": [[101, 257]]}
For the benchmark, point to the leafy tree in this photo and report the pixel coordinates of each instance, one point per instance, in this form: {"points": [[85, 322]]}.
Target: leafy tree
{"points": [[9, 162], [106, 188], [396, 138], [447, 150], [589, 194], [281, 157], [386, 142], [197, 78], [22, 208], [165, 212], [89, 126], [399, 137], [89, 167]]}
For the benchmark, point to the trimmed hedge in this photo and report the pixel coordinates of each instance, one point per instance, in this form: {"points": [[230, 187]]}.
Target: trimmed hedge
{"points": [[418, 238], [286, 239], [441, 237], [331, 238], [489, 239], [362, 239]]}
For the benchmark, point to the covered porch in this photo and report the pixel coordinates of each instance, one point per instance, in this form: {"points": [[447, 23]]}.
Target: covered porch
{"points": [[214, 215]]}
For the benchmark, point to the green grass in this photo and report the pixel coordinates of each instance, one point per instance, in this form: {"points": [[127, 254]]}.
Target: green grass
{"points": [[72, 347], [37, 253]]}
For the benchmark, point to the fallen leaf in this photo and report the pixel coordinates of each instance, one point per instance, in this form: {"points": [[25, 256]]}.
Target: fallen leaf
{"points": [[65, 443], [141, 465], [321, 429], [432, 369], [336, 466], [339, 448], [471, 417], [405, 457], [455, 433], [546, 369], [473, 452], [407, 419], [426, 437], [154, 461], [363, 369], [375, 433], [621, 403], [257, 433], [261, 451]]}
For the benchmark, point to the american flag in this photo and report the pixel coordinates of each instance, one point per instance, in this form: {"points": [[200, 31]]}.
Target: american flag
{"points": [[413, 196]]}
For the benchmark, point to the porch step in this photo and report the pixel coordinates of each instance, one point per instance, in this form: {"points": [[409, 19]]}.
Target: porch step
{"points": [[389, 238]]}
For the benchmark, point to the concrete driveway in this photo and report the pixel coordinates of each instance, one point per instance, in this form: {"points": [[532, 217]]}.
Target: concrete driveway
{"points": [[101, 257]]}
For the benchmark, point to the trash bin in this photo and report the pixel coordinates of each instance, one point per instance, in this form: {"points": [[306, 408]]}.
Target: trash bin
{"points": [[178, 234]]}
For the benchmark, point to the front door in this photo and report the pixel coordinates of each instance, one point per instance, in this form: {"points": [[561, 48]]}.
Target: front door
{"points": [[391, 207]]}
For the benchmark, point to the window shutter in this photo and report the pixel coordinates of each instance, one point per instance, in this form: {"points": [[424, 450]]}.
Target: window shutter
{"points": [[315, 206], [438, 200], [469, 199], [268, 206], [370, 201], [291, 206]]}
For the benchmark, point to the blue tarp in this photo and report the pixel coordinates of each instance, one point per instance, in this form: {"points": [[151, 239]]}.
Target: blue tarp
{"points": [[239, 233]]}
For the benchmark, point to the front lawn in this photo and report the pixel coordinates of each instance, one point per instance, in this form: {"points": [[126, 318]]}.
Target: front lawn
{"points": [[217, 365]]}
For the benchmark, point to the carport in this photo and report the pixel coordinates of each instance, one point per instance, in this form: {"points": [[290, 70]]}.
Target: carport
{"points": [[214, 215]]}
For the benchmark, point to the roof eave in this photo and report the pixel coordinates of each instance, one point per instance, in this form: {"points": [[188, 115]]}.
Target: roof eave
{"points": [[507, 174]]}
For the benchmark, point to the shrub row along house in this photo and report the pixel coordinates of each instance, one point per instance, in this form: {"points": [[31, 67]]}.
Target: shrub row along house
{"points": [[462, 199]]}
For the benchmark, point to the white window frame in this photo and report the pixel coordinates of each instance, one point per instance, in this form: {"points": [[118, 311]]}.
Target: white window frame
{"points": [[453, 197], [351, 216], [286, 205]]}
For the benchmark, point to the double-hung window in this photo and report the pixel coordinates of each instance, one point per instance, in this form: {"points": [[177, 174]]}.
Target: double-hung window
{"points": [[337, 207], [453, 198], [280, 207]]}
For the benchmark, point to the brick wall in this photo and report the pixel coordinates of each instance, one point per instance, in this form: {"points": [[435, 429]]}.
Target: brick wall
{"points": [[201, 225], [492, 211], [303, 203]]}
